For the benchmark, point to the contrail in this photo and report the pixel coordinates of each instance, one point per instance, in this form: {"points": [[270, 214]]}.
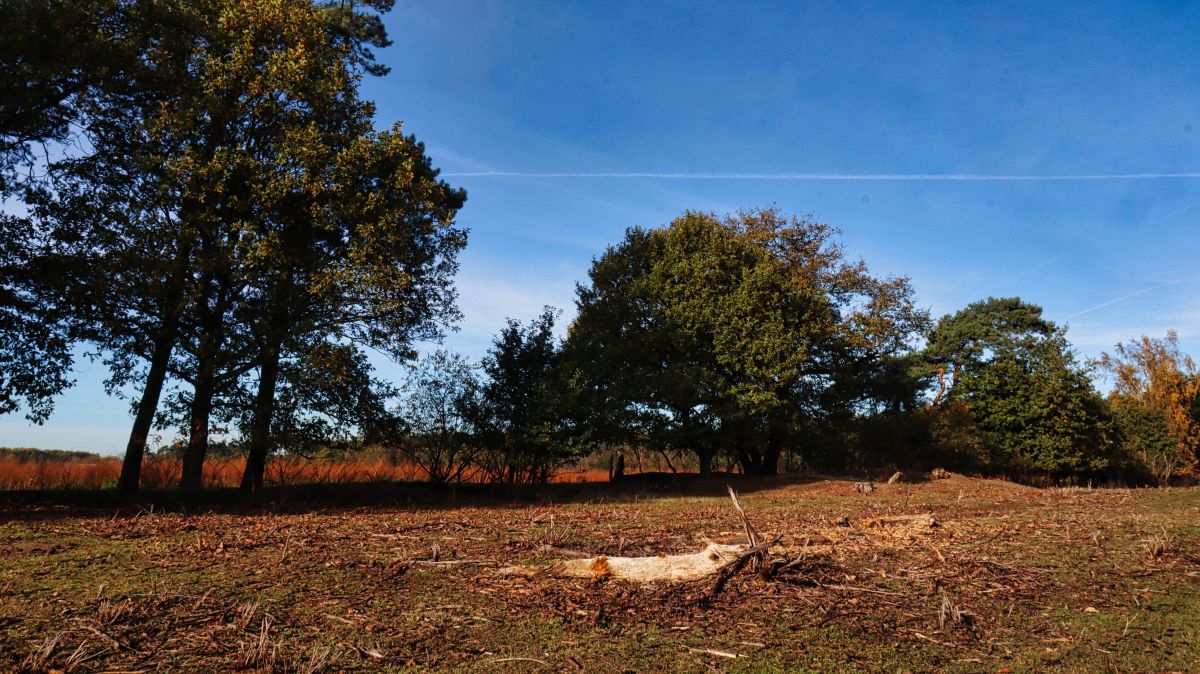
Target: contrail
{"points": [[1130, 296], [860, 177], [1177, 211]]}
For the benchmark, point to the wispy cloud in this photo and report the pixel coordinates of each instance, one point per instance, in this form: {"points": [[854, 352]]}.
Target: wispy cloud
{"points": [[862, 177]]}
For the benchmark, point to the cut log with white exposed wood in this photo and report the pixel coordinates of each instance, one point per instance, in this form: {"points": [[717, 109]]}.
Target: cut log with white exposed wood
{"points": [[668, 568]]}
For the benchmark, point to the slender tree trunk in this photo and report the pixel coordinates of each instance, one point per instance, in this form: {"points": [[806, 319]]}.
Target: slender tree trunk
{"points": [[748, 459], [705, 458], [211, 337], [260, 425], [770, 460], [772, 447], [160, 359], [667, 457], [268, 379], [135, 450], [193, 455]]}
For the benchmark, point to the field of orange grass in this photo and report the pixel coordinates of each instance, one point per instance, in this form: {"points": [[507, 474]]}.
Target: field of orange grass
{"points": [[164, 472]]}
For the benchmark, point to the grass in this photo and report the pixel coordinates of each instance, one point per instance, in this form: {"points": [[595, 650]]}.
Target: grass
{"points": [[1013, 578]]}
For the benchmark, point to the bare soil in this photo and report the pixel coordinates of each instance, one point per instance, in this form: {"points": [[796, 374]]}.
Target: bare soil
{"points": [[1008, 578]]}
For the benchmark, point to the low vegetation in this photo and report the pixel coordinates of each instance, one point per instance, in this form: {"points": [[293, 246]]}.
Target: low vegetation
{"points": [[50, 470]]}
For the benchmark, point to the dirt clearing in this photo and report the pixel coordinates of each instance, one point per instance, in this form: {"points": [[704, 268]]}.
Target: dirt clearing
{"points": [[955, 575]]}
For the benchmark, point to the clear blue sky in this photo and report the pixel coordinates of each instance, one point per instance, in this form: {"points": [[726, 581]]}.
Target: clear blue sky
{"points": [[845, 90]]}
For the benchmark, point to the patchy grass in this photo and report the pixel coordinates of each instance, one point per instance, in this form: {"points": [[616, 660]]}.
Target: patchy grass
{"points": [[1013, 578]]}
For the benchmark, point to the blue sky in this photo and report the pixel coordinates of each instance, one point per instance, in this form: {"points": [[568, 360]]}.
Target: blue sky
{"points": [[920, 93]]}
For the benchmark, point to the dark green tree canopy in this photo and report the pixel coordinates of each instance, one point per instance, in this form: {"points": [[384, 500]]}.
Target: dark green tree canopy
{"points": [[233, 210], [729, 332], [515, 413], [1033, 401], [971, 337]]}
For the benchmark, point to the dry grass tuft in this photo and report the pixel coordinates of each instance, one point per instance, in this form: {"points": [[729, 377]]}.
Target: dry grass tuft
{"points": [[949, 613], [1159, 544], [245, 614], [318, 659], [77, 657], [39, 659], [549, 536], [109, 612], [263, 652]]}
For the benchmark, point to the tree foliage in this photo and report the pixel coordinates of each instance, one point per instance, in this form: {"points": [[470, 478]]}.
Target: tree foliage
{"points": [[1033, 403], [441, 396], [731, 332], [42, 91], [515, 415], [1155, 393]]}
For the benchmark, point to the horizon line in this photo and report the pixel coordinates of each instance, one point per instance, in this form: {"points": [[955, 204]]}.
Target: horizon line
{"points": [[863, 177]]}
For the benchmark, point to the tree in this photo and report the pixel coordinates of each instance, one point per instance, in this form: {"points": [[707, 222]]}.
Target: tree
{"points": [[965, 341], [1154, 399], [128, 252], [1033, 403], [153, 218], [515, 417], [736, 332], [247, 173], [441, 396]]}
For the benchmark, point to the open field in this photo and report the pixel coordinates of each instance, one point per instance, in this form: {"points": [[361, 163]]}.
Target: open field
{"points": [[1010, 579]]}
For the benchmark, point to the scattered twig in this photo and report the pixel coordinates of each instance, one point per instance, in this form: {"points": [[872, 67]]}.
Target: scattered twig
{"points": [[499, 660], [715, 652]]}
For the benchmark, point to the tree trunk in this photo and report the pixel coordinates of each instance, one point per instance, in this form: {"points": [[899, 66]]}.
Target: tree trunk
{"points": [[260, 425], [770, 460], [193, 455], [276, 330], [211, 337], [748, 460], [135, 450], [771, 447], [160, 359], [705, 458]]}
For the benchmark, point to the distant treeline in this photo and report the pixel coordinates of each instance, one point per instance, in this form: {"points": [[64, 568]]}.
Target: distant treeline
{"points": [[206, 204], [27, 454]]}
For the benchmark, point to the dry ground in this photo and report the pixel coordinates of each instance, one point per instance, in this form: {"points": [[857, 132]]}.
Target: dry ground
{"points": [[1012, 579]]}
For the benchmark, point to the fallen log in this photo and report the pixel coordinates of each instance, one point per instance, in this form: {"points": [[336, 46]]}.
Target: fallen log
{"points": [[669, 568], [716, 559]]}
